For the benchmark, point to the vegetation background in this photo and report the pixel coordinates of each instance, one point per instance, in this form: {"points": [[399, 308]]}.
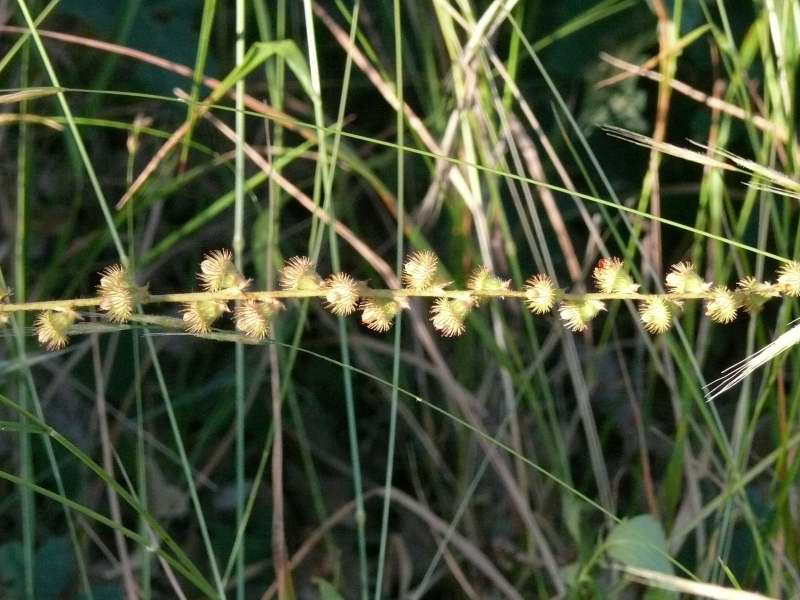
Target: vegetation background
{"points": [[518, 460]]}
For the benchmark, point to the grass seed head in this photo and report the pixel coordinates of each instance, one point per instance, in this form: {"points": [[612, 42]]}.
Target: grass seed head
{"points": [[683, 279], [540, 294], [610, 277], [342, 294], [722, 305], [656, 314], [118, 294], [789, 278], [753, 294], [52, 327], [482, 280], [448, 315], [378, 313], [217, 272], [420, 269], [254, 317], [299, 273], [576, 314], [200, 316]]}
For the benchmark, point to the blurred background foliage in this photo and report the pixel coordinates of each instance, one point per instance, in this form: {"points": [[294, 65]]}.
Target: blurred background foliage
{"points": [[615, 415]]}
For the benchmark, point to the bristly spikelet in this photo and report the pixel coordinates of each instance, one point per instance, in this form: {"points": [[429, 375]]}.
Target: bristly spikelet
{"points": [[540, 294], [52, 326], [789, 278], [378, 313], [200, 316], [217, 272], [448, 315], [254, 317], [753, 294], [118, 294], [721, 305], [683, 279], [342, 294], [576, 314], [299, 273], [419, 270], [612, 279], [656, 314]]}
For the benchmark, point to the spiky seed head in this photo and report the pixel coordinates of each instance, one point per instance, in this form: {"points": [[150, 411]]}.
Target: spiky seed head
{"points": [[610, 277], [342, 294], [378, 313], [217, 272], [299, 273], [789, 278], [540, 294], [576, 314], [656, 313], [753, 294], [52, 327], [683, 279], [254, 317], [482, 280], [722, 305], [118, 293], [448, 315], [419, 270], [200, 316]]}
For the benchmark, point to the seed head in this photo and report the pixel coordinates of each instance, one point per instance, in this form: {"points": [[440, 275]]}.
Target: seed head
{"points": [[378, 313], [299, 273], [576, 314], [217, 272], [342, 294], [656, 314], [753, 294], [611, 279], [789, 278], [419, 270], [722, 305], [482, 280], [199, 316], [52, 327], [254, 317], [540, 294], [118, 293], [683, 279], [448, 315]]}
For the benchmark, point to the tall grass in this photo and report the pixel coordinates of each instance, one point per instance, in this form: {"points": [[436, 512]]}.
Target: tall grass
{"points": [[528, 437]]}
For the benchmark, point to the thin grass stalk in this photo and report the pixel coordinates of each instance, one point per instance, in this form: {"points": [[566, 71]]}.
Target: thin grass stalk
{"points": [[21, 42], [26, 467], [238, 247], [352, 431], [187, 469], [145, 558], [398, 57], [206, 24]]}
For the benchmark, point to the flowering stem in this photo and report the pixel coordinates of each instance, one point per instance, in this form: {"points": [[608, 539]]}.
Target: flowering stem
{"points": [[388, 293]]}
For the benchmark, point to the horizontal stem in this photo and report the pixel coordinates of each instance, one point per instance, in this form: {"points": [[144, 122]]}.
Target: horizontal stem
{"points": [[235, 294]]}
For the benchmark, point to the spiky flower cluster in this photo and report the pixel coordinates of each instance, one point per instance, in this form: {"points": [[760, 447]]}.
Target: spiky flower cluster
{"points": [[217, 272], [118, 294], [255, 312]]}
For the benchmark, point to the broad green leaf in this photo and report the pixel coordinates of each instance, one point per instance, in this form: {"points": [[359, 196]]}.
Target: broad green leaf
{"points": [[640, 542]]}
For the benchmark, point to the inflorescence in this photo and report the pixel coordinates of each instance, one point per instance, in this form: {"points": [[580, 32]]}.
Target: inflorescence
{"points": [[120, 298]]}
